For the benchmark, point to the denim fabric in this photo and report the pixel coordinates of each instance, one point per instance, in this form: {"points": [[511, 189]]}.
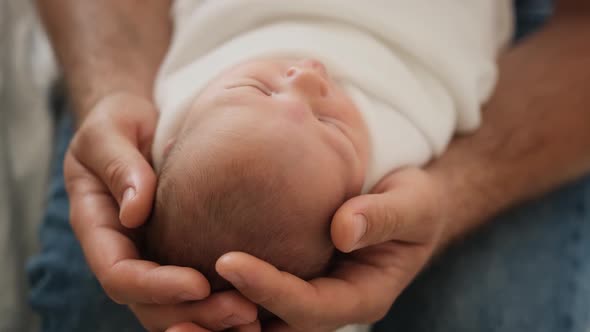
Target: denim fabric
{"points": [[64, 291], [529, 271], [530, 15]]}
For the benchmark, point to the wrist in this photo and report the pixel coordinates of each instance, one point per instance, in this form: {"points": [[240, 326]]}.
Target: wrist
{"points": [[470, 194], [84, 107], [532, 140], [123, 55], [129, 117], [85, 98]]}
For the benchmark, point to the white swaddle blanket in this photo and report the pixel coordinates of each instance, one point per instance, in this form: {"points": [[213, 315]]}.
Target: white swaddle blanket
{"points": [[418, 70]]}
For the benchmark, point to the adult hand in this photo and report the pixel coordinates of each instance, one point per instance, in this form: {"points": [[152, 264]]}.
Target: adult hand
{"points": [[398, 227], [525, 147], [110, 184], [218, 312], [531, 141]]}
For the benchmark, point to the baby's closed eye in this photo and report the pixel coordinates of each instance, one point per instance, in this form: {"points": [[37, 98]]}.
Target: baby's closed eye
{"points": [[252, 84]]}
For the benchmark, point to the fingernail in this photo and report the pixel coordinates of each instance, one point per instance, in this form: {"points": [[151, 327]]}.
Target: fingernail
{"points": [[234, 320], [127, 196], [184, 297], [359, 229]]}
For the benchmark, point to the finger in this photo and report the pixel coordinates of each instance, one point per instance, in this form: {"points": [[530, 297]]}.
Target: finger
{"points": [[186, 327], [218, 312], [127, 174], [139, 281], [110, 145], [125, 278], [405, 211], [294, 300]]}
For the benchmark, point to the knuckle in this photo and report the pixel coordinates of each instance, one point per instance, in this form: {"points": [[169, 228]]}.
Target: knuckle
{"points": [[112, 294], [76, 221], [224, 305], [394, 220], [83, 137], [109, 285], [265, 299], [74, 179], [220, 307], [68, 166], [115, 170], [376, 312], [87, 134], [390, 221], [377, 315]]}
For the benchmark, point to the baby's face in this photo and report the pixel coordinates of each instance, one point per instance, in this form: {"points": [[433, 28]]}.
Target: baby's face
{"points": [[290, 102]]}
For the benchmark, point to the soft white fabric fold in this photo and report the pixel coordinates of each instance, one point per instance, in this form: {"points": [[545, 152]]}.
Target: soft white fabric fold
{"points": [[418, 70]]}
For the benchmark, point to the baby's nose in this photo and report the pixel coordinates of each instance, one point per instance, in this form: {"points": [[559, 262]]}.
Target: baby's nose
{"points": [[310, 77]]}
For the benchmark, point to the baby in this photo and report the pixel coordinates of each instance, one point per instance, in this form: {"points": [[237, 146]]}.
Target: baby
{"points": [[274, 113], [264, 157]]}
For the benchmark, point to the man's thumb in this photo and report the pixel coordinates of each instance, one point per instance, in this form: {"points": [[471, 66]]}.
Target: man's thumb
{"points": [[132, 182], [402, 213], [118, 163]]}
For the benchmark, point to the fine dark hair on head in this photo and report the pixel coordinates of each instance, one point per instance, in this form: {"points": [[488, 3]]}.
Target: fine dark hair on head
{"points": [[235, 203]]}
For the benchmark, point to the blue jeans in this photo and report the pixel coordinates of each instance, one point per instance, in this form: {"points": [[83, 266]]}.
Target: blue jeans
{"points": [[527, 271], [63, 289]]}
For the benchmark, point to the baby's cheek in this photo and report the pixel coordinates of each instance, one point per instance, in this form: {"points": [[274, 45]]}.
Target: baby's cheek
{"points": [[296, 110]]}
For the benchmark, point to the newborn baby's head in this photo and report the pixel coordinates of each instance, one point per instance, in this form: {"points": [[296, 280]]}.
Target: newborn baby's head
{"points": [[267, 153]]}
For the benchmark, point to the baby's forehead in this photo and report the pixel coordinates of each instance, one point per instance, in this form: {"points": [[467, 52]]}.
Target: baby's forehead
{"points": [[261, 150]]}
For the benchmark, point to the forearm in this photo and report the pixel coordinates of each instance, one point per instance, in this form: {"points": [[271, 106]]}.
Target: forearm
{"points": [[107, 46], [536, 129]]}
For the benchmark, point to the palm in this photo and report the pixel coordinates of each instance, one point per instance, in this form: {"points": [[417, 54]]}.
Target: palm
{"points": [[363, 284], [372, 277]]}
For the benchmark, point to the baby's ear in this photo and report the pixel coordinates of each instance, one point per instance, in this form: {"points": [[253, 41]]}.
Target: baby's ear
{"points": [[169, 146]]}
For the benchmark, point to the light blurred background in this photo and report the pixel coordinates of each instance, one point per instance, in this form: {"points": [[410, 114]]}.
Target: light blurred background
{"points": [[26, 70]]}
